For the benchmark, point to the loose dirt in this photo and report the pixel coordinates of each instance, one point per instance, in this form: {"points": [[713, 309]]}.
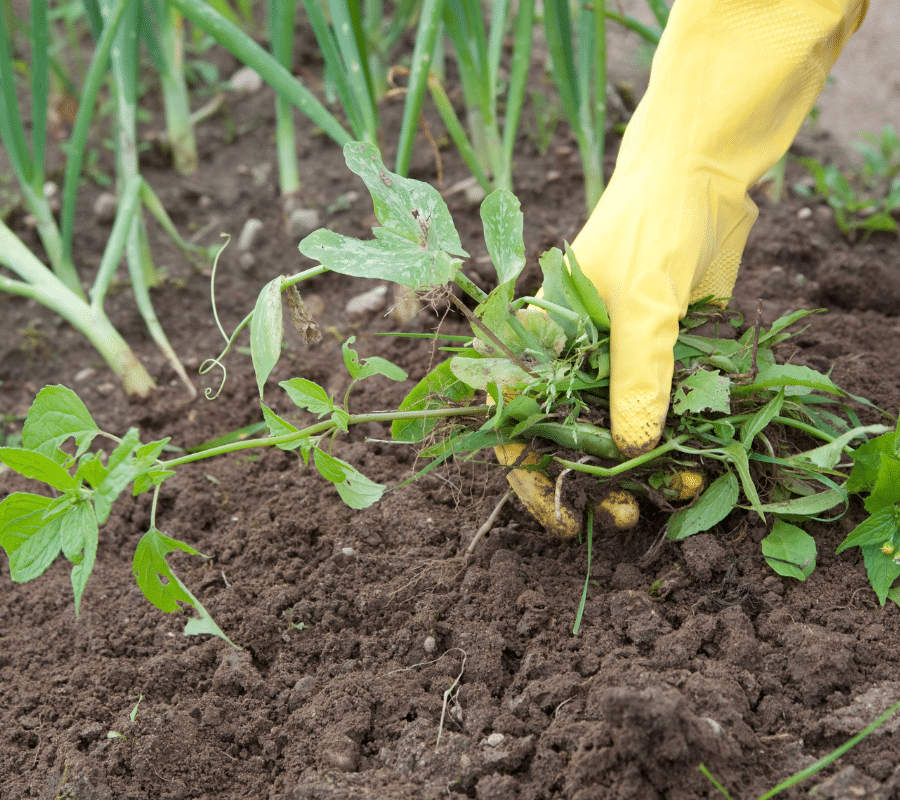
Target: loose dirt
{"points": [[366, 634]]}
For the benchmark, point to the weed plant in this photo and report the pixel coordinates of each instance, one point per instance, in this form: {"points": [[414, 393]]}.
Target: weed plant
{"points": [[770, 438]]}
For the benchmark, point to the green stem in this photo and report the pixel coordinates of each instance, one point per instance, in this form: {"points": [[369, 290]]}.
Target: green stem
{"points": [[250, 53], [281, 14], [326, 427], [45, 287], [426, 39]]}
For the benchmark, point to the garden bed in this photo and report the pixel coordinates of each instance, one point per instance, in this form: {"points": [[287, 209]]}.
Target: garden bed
{"points": [[356, 625]]}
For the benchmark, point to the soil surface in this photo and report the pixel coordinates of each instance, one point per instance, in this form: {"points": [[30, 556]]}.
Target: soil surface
{"points": [[378, 660]]}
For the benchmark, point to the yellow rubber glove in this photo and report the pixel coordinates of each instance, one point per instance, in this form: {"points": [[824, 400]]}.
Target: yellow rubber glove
{"points": [[731, 83]]}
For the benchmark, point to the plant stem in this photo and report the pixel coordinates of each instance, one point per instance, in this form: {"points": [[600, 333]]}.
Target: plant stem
{"points": [[327, 426]]}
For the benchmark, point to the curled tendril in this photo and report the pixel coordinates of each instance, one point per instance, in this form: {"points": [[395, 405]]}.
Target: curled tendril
{"points": [[212, 288], [205, 367]]}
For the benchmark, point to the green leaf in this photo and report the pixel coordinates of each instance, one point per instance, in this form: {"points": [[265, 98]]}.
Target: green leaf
{"points": [[789, 543], [828, 455], [587, 293], [150, 567], [712, 507], [560, 290], [122, 469], [881, 569], [876, 530], [808, 505], [79, 537], [21, 517], [886, 490], [760, 419], [479, 372], [58, 414], [374, 365], [439, 388], [702, 390], [32, 542], [503, 224], [389, 258], [355, 489], [867, 461], [739, 458], [408, 208], [37, 466], [308, 395], [280, 427], [151, 478], [266, 331], [793, 377]]}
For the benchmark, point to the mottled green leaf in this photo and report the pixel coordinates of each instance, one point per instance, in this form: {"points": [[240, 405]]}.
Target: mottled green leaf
{"points": [[503, 225], [703, 390]]}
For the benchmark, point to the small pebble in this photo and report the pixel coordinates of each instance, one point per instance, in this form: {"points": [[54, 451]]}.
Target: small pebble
{"points": [[105, 207], [495, 739], [250, 234], [246, 80], [302, 222], [429, 645], [367, 303], [804, 213]]}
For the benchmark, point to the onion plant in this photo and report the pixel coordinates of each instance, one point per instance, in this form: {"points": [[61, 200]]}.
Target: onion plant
{"points": [[578, 64], [59, 287], [487, 150]]}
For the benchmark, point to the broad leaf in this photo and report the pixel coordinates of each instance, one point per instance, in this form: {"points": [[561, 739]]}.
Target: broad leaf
{"points": [[829, 455], [712, 507], [150, 566], [21, 517], [389, 258], [867, 460], [308, 395], [408, 208], [881, 569], [122, 469], [266, 331], [58, 414], [355, 489], [280, 427], [79, 536], [788, 543], [479, 372], [503, 225], [37, 466], [876, 530], [587, 293], [703, 390], [809, 505], [793, 377]]}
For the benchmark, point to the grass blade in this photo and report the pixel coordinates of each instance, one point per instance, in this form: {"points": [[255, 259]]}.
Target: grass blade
{"points": [[426, 41], [281, 15], [250, 53]]}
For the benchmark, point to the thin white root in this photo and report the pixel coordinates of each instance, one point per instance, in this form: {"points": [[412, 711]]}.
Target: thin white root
{"points": [[489, 523], [450, 693]]}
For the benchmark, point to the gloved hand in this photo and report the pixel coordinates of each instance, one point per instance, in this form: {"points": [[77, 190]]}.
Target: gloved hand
{"points": [[731, 83]]}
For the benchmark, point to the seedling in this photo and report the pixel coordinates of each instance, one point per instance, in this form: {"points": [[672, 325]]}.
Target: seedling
{"points": [[868, 199], [766, 437]]}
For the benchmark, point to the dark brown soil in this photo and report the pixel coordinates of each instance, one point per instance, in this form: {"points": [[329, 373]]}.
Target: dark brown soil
{"points": [[355, 625]]}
